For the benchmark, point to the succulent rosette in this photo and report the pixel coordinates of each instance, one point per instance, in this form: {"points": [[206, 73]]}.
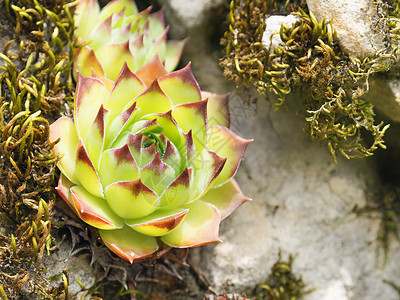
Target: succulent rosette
{"points": [[149, 160], [119, 33]]}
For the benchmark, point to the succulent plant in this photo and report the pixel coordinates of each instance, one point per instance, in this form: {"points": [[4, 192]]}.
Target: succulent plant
{"points": [[119, 33], [149, 160]]}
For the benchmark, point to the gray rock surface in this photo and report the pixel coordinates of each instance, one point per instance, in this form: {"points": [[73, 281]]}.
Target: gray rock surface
{"points": [[384, 94], [302, 203], [353, 22], [78, 268], [271, 37]]}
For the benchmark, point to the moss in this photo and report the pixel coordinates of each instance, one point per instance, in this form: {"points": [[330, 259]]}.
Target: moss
{"points": [[282, 283], [35, 81], [332, 83]]}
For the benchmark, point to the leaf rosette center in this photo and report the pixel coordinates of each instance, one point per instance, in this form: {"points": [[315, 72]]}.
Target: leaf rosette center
{"points": [[149, 159]]}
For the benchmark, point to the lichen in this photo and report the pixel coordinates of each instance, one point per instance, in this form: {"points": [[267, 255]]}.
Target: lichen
{"points": [[311, 61], [35, 81]]}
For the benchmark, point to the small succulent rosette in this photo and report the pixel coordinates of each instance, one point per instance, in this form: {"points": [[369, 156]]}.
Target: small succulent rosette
{"points": [[149, 160], [119, 33]]}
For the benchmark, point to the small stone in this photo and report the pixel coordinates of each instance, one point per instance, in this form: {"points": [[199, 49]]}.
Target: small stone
{"points": [[352, 21], [271, 37], [193, 18]]}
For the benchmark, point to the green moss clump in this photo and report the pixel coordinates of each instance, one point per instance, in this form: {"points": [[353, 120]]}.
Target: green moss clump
{"points": [[35, 81], [282, 284], [332, 83]]}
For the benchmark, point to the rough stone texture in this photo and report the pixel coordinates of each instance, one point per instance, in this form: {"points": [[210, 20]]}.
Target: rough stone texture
{"points": [[384, 95], [302, 203], [352, 21], [191, 18], [78, 268], [271, 37], [191, 13]]}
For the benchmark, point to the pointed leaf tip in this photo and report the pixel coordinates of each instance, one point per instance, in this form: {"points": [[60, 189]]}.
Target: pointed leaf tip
{"points": [[157, 175], [153, 100], [181, 86], [118, 165], [226, 144], [227, 198], [152, 70], [178, 192], [193, 117], [85, 62], [125, 89], [91, 94], [217, 109], [131, 199]]}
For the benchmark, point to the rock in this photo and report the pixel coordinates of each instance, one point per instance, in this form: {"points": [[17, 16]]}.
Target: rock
{"points": [[193, 18], [271, 37], [302, 204], [384, 95], [192, 13], [352, 21], [78, 268]]}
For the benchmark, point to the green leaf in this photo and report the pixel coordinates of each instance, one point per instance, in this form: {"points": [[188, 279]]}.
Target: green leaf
{"points": [[96, 137], [86, 17], [181, 86], [63, 189], [153, 100], [193, 116], [85, 61], [131, 199], [173, 53], [101, 34], [225, 198], [117, 165], [178, 192], [172, 157], [86, 172], [113, 57], [200, 227], [91, 94], [226, 144], [217, 109], [157, 175], [125, 89], [127, 6], [128, 243], [94, 210], [207, 167], [64, 129], [151, 70], [158, 223]]}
